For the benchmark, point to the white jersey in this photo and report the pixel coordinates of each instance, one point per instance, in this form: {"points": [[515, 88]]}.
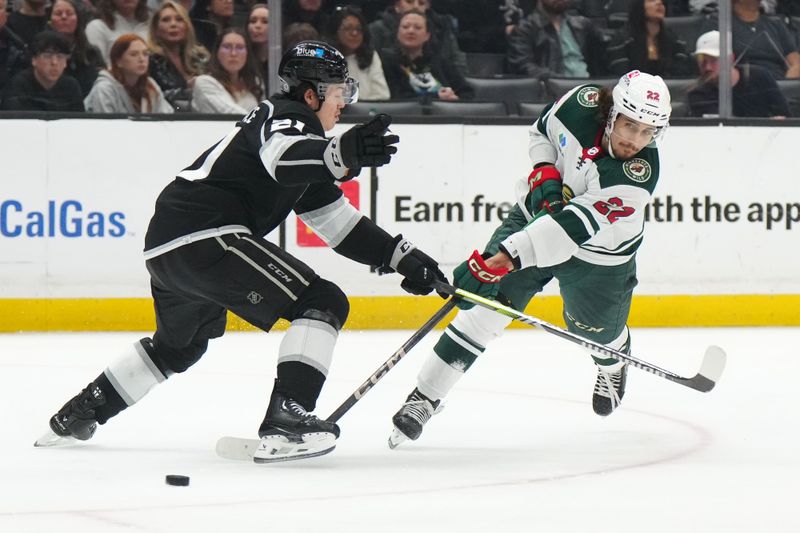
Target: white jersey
{"points": [[603, 221]]}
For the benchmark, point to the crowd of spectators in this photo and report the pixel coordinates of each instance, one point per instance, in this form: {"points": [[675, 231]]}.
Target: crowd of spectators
{"points": [[212, 56]]}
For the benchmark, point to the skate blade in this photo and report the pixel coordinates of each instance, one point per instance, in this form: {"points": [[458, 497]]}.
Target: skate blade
{"points": [[51, 440], [396, 438], [277, 448]]}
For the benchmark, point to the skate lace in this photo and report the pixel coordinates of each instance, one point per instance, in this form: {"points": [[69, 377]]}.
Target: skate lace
{"points": [[608, 384], [419, 409], [296, 408], [83, 405]]}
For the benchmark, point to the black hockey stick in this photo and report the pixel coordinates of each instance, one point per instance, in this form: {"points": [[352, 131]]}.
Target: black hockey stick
{"points": [[393, 360], [242, 449], [710, 370]]}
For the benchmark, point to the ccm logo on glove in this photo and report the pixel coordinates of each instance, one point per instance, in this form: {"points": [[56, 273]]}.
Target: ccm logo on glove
{"points": [[481, 272]]}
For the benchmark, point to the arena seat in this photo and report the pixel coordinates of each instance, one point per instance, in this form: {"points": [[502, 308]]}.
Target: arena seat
{"points": [[480, 65], [508, 89], [791, 91], [468, 109], [390, 107], [530, 110], [679, 87], [556, 87], [689, 28]]}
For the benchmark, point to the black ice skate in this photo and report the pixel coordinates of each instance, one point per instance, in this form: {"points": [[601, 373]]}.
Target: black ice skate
{"points": [[290, 432], [410, 419], [609, 390], [76, 419]]}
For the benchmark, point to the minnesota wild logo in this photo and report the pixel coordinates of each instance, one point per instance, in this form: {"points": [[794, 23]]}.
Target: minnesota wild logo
{"points": [[587, 96], [637, 169]]}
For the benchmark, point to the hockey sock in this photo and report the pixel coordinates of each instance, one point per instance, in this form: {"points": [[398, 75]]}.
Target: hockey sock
{"points": [[622, 344], [132, 376], [457, 349], [300, 382], [304, 358]]}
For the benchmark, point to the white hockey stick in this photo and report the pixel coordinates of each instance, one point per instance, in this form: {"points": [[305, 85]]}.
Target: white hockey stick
{"points": [[243, 449], [710, 369]]}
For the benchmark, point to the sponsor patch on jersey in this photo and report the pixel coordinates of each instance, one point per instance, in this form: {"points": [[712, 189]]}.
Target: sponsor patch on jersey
{"points": [[562, 140], [587, 96], [637, 169]]}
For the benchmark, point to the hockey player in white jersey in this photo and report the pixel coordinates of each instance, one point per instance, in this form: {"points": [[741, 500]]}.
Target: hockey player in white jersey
{"points": [[595, 166], [206, 254]]}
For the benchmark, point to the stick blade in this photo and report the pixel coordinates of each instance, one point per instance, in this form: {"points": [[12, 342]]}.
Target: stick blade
{"points": [[710, 370], [237, 449]]}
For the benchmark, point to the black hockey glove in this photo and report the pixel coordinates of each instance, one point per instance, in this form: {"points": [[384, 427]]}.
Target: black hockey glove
{"points": [[367, 145], [418, 269]]}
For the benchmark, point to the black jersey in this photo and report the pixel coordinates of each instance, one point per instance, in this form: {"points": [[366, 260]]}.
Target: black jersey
{"points": [[275, 160], [270, 163]]}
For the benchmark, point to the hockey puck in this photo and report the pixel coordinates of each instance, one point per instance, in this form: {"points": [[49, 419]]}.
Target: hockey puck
{"points": [[178, 481]]}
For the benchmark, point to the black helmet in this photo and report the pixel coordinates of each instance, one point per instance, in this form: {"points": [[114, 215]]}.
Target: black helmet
{"points": [[319, 64]]}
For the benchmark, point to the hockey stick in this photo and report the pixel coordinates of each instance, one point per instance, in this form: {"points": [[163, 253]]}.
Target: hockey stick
{"points": [[242, 449], [393, 360], [710, 370]]}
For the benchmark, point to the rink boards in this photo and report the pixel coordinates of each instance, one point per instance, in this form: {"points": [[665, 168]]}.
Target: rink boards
{"points": [[720, 246]]}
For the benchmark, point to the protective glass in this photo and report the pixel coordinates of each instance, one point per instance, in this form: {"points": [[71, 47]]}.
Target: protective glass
{"points": [[345, 93]]}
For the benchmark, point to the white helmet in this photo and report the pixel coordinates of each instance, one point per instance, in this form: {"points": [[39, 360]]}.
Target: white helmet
{"points": [[643, 98]]}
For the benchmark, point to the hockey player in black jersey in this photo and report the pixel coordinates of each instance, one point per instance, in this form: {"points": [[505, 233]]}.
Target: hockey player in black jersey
{"points": [[206, 254]]}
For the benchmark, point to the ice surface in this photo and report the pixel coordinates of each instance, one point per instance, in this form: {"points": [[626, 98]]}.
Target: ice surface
{"points": [[517, 448]]}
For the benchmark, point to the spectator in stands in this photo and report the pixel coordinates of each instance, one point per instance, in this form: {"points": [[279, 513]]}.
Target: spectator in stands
{"points": [[645, 44], [755, 93], [349, 33], [175, 57], [305, 11], [125, 86], [297, 32], [13, 54], [258, 31], [115, 18], [85, 61], [763, 41], [44, 86], [550, 42], [384, 29], [29, 20], [484, 25], [210, 18], [233, 84], [414, 68]]}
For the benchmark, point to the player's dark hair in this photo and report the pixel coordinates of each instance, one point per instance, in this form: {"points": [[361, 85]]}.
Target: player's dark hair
{"points": [[298, 93], [605, 101]]}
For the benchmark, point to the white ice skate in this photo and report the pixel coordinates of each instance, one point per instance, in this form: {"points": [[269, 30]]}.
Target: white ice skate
{"points": [[412, 417]]}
